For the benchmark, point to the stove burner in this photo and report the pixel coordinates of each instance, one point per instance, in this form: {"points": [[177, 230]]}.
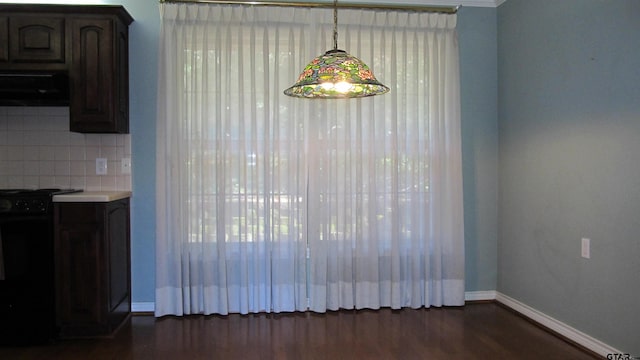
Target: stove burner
{"points": [[12, 191], [46, 191], [29, 201]]}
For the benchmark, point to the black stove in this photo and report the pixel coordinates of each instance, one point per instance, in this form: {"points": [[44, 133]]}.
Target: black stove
{"points": [[27, 284], [29, 201]]}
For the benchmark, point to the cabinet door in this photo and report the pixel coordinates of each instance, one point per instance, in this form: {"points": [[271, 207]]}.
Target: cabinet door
{"points": [[119, 259], [4, 39], [81, 278], [37, 39], [93, 268], [95, 77], [80, 270]]}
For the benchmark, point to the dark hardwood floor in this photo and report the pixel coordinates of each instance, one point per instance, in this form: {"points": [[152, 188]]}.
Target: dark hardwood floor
{"points": [[476, 331]]}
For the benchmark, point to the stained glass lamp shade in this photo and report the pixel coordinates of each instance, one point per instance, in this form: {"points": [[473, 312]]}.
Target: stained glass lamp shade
{"points": [[336, 74]]}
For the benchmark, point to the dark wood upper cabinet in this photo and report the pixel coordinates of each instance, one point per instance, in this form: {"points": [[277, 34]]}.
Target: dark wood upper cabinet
{"points": [[90, 43], [32, 41], [99, 75], [36, 39]]}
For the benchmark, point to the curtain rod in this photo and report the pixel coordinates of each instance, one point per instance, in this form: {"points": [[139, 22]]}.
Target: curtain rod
{"points": [[416, 8]]}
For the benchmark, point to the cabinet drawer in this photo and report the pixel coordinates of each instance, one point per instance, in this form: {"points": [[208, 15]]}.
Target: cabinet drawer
{"points": [[79, 213]]}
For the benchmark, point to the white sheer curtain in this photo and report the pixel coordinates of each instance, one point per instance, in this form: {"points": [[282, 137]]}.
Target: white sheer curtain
{"points": [[268, 203]]}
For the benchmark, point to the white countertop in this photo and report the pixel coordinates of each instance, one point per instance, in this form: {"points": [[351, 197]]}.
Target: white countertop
{"points": [[92, 196]]}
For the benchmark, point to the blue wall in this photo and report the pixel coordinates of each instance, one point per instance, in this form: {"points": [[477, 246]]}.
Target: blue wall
{"points": [[569, 125], [478, 43], [477, 35], [144, 35]]}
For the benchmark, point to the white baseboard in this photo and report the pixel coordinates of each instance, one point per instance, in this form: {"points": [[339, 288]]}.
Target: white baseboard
{"points": [[468, 296], [480, 295], [143, 307], [559, 327]]}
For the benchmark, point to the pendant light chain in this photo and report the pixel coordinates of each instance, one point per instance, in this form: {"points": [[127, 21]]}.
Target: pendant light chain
{"points": [[335, 24]]}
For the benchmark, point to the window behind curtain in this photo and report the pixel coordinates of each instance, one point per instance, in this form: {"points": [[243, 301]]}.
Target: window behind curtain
{"points": [[270, 203]]}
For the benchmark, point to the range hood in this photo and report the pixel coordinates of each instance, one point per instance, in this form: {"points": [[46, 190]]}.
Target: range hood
{"points": [[34, 89]]}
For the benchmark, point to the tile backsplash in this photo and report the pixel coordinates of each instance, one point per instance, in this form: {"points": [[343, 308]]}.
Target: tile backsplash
{"points": [[37, 150]]}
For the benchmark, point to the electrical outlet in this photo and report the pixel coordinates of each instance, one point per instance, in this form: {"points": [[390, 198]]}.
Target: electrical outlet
{"points": [[101, 166], [586, 248], [125, 166]]}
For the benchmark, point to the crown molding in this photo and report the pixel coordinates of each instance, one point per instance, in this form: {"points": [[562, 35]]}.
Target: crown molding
{"points": [[443, 3], [447, 3], [478, 3], [469, 3]]}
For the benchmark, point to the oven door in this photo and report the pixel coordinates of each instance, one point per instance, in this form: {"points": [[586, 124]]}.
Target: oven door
{"points": [[27, 297]]}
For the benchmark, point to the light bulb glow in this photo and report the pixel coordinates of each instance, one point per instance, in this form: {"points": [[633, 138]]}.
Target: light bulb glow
{"points": [[327, 85], [343, 87]]}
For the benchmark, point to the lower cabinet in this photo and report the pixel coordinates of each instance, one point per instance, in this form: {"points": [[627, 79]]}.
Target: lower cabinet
{"points": [[92, 258]]}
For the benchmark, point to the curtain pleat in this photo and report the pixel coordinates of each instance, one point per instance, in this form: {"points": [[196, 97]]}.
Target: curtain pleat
{"points": [[268, 203]]}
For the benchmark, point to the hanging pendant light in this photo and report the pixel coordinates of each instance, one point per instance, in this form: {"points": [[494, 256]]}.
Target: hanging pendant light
{"points": [[336, 74]]}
